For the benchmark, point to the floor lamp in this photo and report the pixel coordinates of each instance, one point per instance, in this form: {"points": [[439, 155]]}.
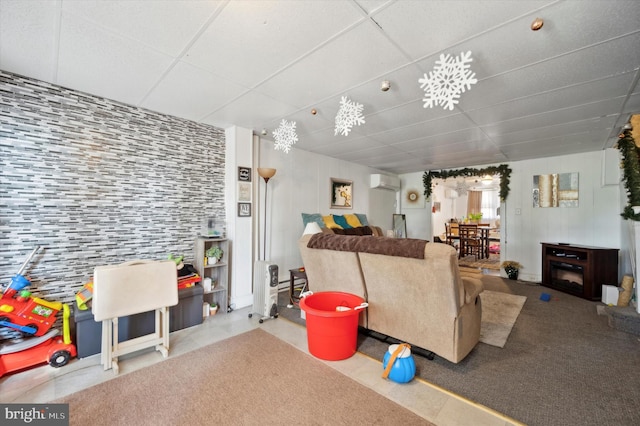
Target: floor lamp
{"points": [[266, 174]]}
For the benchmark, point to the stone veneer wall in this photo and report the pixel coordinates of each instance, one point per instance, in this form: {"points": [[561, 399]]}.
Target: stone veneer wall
{"points": [[96, 182]]}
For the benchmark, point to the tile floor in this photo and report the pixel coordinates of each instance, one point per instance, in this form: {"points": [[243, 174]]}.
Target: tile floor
{"points": [[42, 384]]}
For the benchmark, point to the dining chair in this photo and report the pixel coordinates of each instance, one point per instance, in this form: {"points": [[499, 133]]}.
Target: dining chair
{"points": [[470, 241], [451, 234]]}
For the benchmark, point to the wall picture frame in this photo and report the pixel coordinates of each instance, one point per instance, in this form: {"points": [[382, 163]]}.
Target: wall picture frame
{"points": [[244, 174], [341, 194], [244, 191], [244, 209]]}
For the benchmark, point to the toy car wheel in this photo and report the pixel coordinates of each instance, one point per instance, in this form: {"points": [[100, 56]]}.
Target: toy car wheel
{"points": [[60, 358]]}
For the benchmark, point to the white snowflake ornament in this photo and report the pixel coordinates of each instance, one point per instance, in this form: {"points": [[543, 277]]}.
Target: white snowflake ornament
{"points": [[449, 78], [462, 188], [349, 114], [285, 135]]}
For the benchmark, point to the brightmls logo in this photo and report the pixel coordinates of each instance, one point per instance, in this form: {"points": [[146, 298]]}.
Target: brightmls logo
{"points": [[35, 414]]}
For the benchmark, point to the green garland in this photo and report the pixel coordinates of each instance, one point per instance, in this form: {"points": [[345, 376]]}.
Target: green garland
{"points": [[503, 170], [631, 169]]}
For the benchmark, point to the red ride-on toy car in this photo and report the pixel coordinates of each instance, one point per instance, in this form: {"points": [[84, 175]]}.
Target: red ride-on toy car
{"points": [[51, 348], [30, 319]]}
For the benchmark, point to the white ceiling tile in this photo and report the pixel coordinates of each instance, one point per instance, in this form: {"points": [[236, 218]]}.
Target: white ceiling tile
{"points": [[104, 64], [28, 38], [263, 106], [167, 26], [445, 23], [566, 97], [595, 112], [191, 93], [354, 62], [552, 131], [267, 36], [604, 60]]}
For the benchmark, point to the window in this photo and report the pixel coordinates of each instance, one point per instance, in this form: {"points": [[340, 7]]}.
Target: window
{"points": [[490, 204]]}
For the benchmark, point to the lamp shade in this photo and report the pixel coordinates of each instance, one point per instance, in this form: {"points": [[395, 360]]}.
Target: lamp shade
{"points": [[311, 228], [266, 173]]}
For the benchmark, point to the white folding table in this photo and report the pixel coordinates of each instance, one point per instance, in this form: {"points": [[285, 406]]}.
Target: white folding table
{"points": [[131, 288]]}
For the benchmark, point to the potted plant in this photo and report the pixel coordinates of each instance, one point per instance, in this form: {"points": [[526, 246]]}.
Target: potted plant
{"points": [[214, 254], [511, 267], [475, 217], [213, 309]]}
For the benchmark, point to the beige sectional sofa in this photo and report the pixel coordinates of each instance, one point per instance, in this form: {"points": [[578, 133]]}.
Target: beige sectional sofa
{"points": [[426, 302]]}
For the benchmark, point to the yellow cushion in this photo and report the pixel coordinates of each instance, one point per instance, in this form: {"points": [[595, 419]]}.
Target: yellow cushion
{"points": [[352, 220], [328, 220]]}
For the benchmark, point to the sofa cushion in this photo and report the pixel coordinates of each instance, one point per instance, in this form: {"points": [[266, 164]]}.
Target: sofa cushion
{"points": [[312, 217], [341, 221], [330, 222]]}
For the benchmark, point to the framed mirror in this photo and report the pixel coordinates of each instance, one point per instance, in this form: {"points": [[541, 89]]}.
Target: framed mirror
{"points": [[399, 226]]}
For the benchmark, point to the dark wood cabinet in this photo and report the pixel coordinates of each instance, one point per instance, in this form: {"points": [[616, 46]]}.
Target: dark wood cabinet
{"points": [[579, 270]]}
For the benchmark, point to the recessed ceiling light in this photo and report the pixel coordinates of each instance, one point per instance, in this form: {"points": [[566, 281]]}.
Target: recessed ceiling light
{"points": [[537, 24]]}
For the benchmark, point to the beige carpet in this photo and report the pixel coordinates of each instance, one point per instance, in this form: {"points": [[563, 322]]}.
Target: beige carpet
{"points": [[499, 313], [250, 379]]}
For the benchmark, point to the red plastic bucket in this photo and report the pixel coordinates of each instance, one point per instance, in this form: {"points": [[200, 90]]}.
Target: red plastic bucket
{"points": [[332, 334]]}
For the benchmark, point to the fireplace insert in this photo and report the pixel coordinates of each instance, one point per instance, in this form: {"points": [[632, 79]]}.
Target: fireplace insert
{"points": [[567, 276]]}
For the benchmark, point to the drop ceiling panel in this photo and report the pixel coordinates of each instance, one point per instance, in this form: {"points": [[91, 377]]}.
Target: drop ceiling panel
{"points": [[166, 26], [405, 115], [101, 63], [569, 27], [353, 57], [268, 36], [552, 131], [191, 93], [423, 129], [575, 143], [548, 102], [633, 104], [445, 139], [590, 112], [27, 39], [264, 107], [437, 30], [614, 57]]}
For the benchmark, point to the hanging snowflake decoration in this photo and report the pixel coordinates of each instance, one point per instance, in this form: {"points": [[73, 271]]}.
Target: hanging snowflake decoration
{"points": [[462, 188], [449, 78], [349, 114], [285, 135]]}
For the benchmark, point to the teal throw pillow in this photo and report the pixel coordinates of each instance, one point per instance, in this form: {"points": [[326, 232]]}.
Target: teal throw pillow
{"points": [[312, 217], [363, 219]]}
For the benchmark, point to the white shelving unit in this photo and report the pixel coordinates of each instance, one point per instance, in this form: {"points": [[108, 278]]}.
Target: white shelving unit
{"points": [[218, 272]]}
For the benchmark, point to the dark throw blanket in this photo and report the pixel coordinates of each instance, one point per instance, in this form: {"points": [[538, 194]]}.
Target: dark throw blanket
{"points": [[402, 247]]}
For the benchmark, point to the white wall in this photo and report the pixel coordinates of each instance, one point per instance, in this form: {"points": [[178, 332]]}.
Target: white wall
{"points": [[595, 222], [418, 215], [238, 152], [302, 185]]}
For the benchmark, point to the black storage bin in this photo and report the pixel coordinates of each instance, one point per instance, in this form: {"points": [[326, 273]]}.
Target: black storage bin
{"points": [[187, 313]]}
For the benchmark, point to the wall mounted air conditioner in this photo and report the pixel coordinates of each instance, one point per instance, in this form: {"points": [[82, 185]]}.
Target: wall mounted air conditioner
{"points": [[451, 193], [381, 181]]}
